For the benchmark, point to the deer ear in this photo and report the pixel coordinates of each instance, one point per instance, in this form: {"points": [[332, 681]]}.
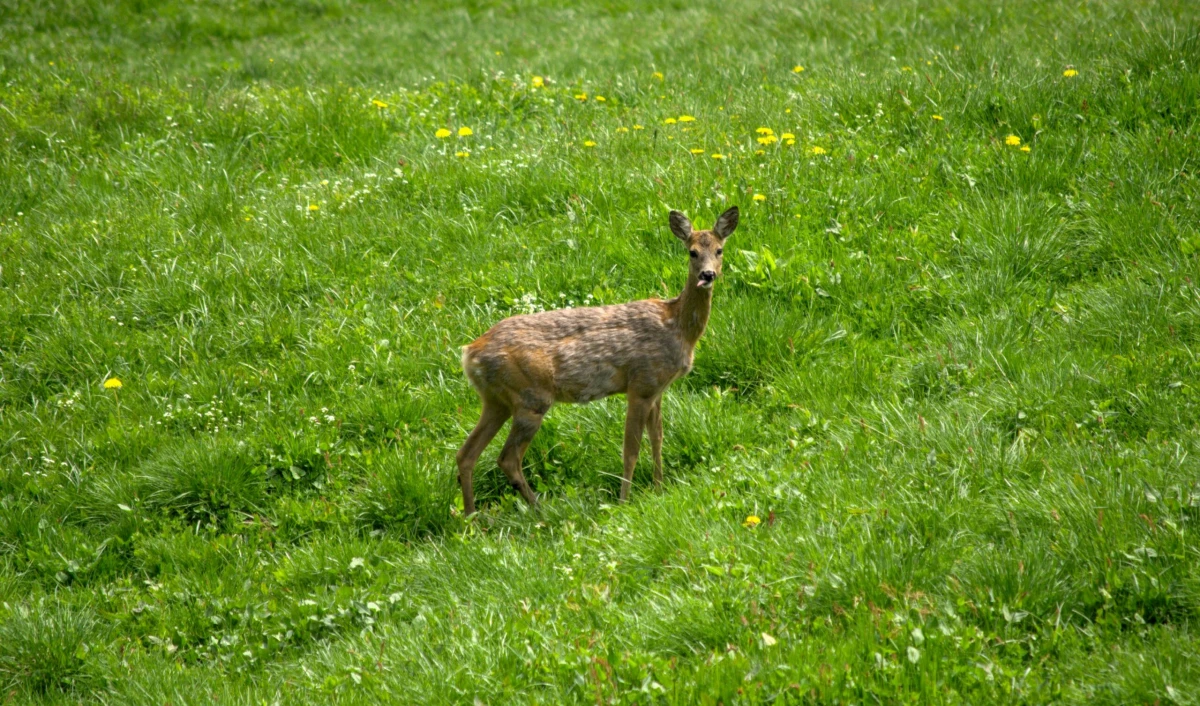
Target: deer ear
{"points": [[681, 226], [726, 223]]}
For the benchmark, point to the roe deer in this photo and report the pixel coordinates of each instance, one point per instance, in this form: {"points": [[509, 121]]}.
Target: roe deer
{"points": [[526, 363]]}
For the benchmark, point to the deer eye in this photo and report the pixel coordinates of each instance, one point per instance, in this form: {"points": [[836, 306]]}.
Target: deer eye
{"points": [[694, 254], [720, 250]]}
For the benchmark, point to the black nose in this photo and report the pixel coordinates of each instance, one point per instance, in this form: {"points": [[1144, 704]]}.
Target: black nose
{"points": [[708, 275]]}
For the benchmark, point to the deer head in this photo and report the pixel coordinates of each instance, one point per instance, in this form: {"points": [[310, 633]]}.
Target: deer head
{"points": [[705, 247]]}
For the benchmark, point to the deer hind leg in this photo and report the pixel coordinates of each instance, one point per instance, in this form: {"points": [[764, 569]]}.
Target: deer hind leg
{"points": [[656, 438], [490, 420], [636, 416], [525, 423]]}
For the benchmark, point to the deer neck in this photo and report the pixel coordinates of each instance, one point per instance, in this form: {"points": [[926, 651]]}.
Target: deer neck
{"points": [[694, 303]]}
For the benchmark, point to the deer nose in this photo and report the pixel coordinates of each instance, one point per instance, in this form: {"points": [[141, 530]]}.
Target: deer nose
{"points": [[708, 276]]}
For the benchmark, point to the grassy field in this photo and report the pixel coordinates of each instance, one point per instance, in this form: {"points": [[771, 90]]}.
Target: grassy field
{"points": [[952, 364]]}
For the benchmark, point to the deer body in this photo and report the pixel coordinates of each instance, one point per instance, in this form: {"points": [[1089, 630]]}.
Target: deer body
{"points": [[580, 355], [525, 364]]}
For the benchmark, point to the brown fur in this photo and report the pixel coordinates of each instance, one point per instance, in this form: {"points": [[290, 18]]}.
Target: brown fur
{"points": [[525, 364]]}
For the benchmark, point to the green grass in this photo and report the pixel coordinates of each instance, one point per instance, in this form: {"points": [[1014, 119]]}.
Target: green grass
{"points": [[956, 380]]}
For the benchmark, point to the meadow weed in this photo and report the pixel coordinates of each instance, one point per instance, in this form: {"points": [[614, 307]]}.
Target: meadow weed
{"points": [[45, 646], [409, 500], [209, 481]]}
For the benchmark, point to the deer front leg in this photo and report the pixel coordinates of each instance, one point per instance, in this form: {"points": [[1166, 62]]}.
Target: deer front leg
{"points": [[491, 419], [635, 424], [656, 439]]}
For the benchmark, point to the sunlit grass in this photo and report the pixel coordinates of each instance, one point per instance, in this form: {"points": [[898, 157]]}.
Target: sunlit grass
{"points": [[940, 440]]}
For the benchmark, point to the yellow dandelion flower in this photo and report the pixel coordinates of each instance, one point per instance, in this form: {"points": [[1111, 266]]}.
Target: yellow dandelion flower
{"points": [[442, 133], [787, 136], [658, 75], [686, 119], [638, 127], [462, 155], [601, 99], [1025, 148], [764, 131], [789, 143], [759, 197], [581, 96], [112, 384], [589, 143], [767, 139], [538, 82], [465, 132], [314, 207], [1070, 73], [936, 117], [669, 121], [379, 104], [622, 129], [906, 68], [718, 155], [760, 152], [753, 520], [1012, 140], [817, 149], [697, 151], [797, 69]]}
